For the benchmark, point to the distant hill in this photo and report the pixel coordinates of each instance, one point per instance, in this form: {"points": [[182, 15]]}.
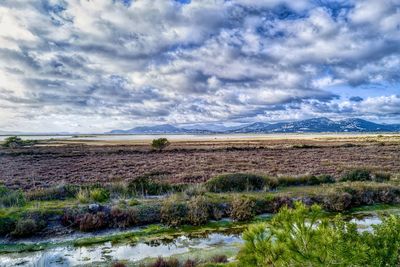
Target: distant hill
{"points": [[315, 125], [160, 129], [318, 125]]}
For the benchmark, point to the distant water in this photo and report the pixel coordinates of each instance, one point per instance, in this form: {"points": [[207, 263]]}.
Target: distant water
{"points": [[187, 137]]}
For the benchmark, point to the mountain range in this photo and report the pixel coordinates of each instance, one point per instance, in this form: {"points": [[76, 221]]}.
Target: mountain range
{"points": [[315, 125]]}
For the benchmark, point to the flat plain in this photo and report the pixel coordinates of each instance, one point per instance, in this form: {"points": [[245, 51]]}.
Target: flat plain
{"points": [[52, 162]]}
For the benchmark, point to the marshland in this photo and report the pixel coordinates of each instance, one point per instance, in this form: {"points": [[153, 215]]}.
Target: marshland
{"points": [[74, 202]]}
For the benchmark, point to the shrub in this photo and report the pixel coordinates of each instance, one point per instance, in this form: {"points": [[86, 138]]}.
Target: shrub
{"points": [[147, 214], [161, 262], [160, 143], [53, 193], [174, 213], [25, 228], [123, 218], [83, 196], [118, 264], [194, 190], [337, 201], [381, 176], [357, 175], [7, 225], [236, 182], [11, 198], [303, 237], [99, 194], [91, 222], [198, 210], [144, 185], [190, 263], [16, 142], [301, 180], [242, 209], [219, 259], [133, 202]]}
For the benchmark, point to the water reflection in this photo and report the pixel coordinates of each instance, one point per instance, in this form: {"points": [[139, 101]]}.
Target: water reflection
{"points": [[71, 256]]}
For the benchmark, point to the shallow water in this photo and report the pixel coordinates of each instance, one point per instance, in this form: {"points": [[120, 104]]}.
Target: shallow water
{"points": [[136, 252], [191, 137], [72, 256]]}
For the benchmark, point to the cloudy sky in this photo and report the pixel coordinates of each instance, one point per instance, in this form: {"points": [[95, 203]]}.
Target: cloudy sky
{"points": [[96, 65]]}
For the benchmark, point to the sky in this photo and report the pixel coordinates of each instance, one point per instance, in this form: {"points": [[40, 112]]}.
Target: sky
{"points": [[97, 65]]}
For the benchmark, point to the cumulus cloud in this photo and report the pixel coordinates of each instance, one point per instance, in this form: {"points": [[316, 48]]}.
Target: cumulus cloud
{"points": [[96, 65]]}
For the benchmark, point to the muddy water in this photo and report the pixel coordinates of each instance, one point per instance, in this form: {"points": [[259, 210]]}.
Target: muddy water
{"points": [[183, 245]]}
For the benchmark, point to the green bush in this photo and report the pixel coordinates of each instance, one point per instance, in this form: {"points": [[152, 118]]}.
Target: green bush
{"points": [[304, 237], [357, 175], [242, 209], [25, 228], [11, 198], [16, 142], [53, 193], [381, 176], [173, 212], [83, 196], [160, 143], [7, 225], [198, 210], [299, 180], [235, 182], [99, 194], [144, 185]]}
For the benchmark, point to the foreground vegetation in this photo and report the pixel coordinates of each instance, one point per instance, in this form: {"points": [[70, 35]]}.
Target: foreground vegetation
{"points": [[238, 196], [304, 236]]}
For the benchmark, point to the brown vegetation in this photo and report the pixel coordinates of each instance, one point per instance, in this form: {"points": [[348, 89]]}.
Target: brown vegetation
{"points": [[192, 161]]}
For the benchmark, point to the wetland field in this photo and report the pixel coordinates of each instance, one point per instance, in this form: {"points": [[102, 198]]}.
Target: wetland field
{"points": [[238, 200]]}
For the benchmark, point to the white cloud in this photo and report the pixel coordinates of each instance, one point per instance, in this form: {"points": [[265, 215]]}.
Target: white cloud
{"points": [[115, 64]]}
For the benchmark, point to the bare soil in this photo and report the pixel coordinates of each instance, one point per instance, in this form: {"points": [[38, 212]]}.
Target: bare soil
{"points": [[53, 163]]}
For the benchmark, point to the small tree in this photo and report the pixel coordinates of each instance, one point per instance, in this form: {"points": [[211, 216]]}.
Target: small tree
{"points": [[13, 142], [160, 143], [16, 142]]}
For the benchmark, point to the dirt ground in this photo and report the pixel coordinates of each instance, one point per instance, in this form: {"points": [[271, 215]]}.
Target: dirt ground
{"points": [[52, 163]]}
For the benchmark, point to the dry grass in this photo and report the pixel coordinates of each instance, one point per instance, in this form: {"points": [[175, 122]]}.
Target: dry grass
{"points": [[197, 161]]}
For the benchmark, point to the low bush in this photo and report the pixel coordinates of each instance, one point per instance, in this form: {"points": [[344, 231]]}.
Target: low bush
{"points": [[148, 214], [99, 194], [83, 196], [357, 175], [194, 190], [242, 209], [11, 198], [123, 218], [198, 210], [160, 143], [219, 259], [144, 185], [17, 142], [381, 176], [161, 262], [53, 193], [7, 225], [300, 180], [25, 228], [173, 212], [93, 221], [236, 182]]}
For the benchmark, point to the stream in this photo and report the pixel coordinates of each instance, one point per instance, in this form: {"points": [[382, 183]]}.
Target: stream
{"points": [[184, 246]]}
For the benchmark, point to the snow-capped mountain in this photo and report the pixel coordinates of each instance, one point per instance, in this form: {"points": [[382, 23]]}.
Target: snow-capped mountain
{"points": [[315, 125], [321, 125]]}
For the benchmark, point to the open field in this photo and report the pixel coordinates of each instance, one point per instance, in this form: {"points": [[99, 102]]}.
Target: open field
{"points": [[84, 162]]}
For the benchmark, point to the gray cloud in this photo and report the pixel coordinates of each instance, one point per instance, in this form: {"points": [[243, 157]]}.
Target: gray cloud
{"points": [[120, 63]]}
